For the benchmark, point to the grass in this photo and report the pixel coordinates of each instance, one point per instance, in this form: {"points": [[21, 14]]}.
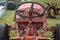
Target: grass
{"points": [[49, 34], [1, 0], [13, 33], [53, 21], [8, 17]]}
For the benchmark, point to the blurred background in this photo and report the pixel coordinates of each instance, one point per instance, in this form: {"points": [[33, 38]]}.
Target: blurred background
{"points": [[7, 12]]}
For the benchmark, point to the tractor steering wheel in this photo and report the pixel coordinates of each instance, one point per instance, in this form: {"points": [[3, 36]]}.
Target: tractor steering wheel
{"points": [[31, 11]]}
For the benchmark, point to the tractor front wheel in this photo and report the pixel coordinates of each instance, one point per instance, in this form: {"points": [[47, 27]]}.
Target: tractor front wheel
{"points": [[4, 32], [56, 33]]}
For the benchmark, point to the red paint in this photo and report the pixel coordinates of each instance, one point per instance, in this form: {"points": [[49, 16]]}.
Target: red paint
{"points": [[30, 25]]}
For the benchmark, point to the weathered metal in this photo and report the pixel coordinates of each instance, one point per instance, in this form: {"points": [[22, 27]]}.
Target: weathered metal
{"points": [[29, 19], [29, 22]]}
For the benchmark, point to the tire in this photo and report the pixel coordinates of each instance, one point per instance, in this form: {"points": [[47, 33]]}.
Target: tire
{"points": [[57, 32], [4, 32], [11, 6]]}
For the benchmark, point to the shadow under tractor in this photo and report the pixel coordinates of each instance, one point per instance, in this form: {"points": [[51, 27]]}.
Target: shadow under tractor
{"points": [[29, 23]]}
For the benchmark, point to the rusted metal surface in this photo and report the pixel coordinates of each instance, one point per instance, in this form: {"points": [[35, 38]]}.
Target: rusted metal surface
{"points": [[26, 7], [29, 25], [29, 20]]}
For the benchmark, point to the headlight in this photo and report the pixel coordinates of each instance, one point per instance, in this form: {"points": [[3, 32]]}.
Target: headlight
{"points": [[17, 16]]}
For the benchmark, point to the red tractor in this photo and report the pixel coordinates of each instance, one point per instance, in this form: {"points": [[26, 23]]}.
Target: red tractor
{"points": [[29, 23]]}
